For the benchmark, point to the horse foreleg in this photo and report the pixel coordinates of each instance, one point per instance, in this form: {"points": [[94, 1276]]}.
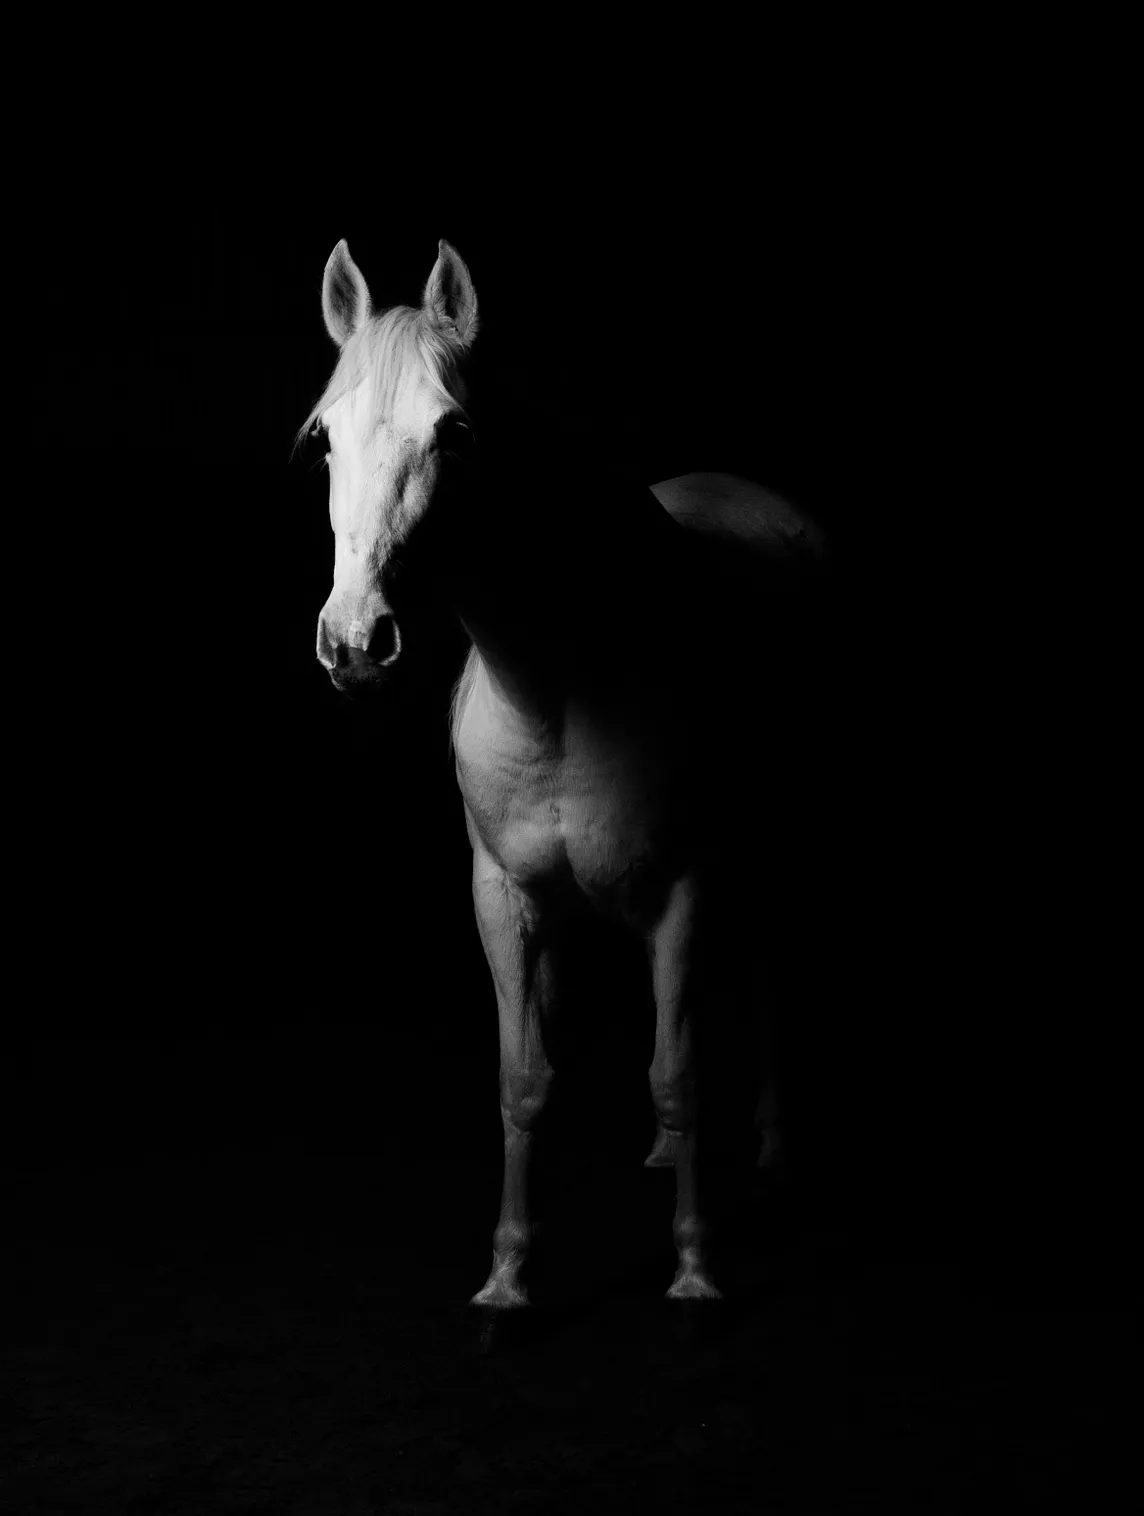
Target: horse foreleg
{"points": [[672, 1079], [520, 961]]}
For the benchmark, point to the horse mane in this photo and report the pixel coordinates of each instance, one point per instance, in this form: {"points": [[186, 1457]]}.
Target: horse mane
{"points": [[391, 349], [461, 692]]}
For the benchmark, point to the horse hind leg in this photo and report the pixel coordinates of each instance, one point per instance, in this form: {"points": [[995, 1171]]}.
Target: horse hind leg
{"points": [[661, 1155], [768, 1138], [766, 1130], [521, 964], [672, 1079]]}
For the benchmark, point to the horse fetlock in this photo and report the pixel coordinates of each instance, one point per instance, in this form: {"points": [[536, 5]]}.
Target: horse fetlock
{"points": [[692, 1277], [513, 1240], [502, 1290], [693, 1282], [689, 1233]]}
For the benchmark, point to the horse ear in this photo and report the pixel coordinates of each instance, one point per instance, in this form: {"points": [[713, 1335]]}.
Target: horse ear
{"points": [[345, 295], [450, 300]]}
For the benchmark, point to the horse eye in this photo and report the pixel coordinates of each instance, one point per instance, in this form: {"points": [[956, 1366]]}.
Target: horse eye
{"points": [[454, 436]]}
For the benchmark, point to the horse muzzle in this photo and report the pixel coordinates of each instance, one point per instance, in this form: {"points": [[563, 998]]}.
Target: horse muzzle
{"points": [[359, 657]]}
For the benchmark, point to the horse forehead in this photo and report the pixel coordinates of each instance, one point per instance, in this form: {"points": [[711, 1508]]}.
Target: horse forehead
{"points": [[347, 415], [416, 408], [417, 405]]}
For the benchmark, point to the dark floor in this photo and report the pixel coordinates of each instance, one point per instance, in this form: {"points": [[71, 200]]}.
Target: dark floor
{"points": [[287, 1336]]}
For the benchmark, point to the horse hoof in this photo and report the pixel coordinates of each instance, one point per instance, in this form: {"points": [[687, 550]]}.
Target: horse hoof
{"points": [[503, 1289], [693, 1287], [501, 1295]]}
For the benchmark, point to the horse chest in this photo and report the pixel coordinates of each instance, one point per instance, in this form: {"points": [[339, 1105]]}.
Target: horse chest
{"points": [[591, 818]]}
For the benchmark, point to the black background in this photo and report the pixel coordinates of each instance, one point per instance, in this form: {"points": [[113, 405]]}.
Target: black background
{"points": [[248, 917], [246, 1002]]}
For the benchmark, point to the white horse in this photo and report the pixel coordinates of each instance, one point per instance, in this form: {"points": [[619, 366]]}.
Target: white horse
{"points": [[605, 726]]}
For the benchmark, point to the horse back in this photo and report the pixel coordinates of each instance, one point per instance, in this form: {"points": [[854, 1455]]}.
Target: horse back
{"points": [[737, 510]]}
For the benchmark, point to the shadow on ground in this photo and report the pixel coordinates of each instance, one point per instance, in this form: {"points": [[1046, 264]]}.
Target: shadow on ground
{"points": [[289, 1337]]}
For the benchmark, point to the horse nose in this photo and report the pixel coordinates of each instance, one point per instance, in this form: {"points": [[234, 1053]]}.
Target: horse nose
{"points": [[380, 643], [359, 650]]}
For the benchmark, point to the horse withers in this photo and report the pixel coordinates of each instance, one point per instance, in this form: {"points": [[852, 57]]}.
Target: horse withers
{"points": [[622, 727]]}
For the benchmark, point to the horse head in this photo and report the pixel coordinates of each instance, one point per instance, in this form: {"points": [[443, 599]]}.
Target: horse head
{"points": [[394, 421]]}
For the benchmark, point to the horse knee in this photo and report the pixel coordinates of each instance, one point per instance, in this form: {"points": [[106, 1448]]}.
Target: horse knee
{"points": [[523, 1097]]}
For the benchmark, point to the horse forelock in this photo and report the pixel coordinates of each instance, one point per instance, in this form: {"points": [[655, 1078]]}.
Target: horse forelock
{"points": [[398, 347]]}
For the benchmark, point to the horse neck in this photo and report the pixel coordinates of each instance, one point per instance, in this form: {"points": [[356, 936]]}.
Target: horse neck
{"points": [[550, 576]]}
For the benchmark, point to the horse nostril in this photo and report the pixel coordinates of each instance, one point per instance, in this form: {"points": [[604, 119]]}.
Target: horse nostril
{"points": [[326, 650], [385, 641]]}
